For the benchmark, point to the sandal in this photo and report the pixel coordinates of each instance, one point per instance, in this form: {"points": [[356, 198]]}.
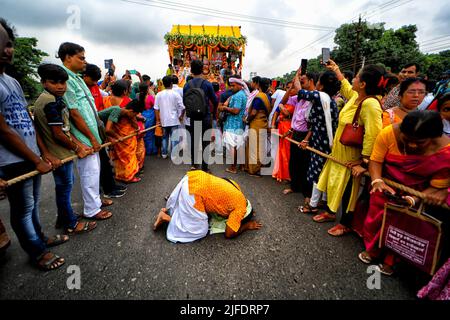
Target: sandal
{"points": [[231, 170], [339, 230], [324, 217], [365, 257], [307, 209], [49, 261], [107, 202], [135, 180], [86, 227], [385, 269], [102, 215], [287, 191], [57, 240]]}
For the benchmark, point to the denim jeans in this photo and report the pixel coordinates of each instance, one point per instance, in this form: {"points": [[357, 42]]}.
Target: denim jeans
{"points": [[24, 200], [64, 179], [167, 134]]}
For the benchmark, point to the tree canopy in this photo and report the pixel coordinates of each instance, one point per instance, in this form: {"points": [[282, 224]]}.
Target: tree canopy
{"points": [[27, 58]]}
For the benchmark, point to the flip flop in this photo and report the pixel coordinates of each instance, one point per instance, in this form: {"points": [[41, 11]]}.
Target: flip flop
{"points": [[339, 230], [324, 217], [231, 171]]}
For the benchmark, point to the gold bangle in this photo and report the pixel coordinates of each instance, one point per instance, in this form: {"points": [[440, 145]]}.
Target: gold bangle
{"points": [[376, 181]]}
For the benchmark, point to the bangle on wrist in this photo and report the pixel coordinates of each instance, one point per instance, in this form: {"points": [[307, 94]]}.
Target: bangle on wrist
{"points": [[411, 201], [305, 141], [376, 181]]}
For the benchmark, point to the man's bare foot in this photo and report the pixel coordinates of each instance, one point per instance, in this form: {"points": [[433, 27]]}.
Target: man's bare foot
{"points": [[287, 191], [161, 218]]}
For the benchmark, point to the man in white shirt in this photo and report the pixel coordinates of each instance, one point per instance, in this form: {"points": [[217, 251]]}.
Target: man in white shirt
{"points": [[175, 86], [169, 113]]}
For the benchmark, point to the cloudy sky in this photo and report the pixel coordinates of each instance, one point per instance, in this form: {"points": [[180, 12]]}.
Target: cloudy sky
{"points": [[131, 31]]}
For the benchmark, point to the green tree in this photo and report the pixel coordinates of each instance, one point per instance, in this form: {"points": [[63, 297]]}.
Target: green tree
{"points": [[435, 64], [392, 48], [27, 58]]}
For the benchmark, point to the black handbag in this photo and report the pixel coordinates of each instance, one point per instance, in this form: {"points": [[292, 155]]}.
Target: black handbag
{"points": [[222, 117]]}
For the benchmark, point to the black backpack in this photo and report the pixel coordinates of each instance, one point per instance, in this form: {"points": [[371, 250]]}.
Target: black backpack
{"points": [[194, 101]]}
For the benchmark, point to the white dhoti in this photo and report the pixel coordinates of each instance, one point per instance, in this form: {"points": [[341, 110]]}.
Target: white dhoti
{"points": [[187, 223], [233, 140], [89, 172]]}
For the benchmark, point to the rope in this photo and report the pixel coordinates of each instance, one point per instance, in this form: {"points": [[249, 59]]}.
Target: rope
{"points": [[71, 158], [390, 183]]}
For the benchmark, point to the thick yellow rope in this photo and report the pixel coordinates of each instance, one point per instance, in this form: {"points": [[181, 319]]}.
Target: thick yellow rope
{"points": [[71, 158], [391, 183]]}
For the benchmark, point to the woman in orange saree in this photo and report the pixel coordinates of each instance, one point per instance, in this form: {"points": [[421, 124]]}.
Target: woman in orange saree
{"points": [[124, 154], [403, 153], [281, 168]]}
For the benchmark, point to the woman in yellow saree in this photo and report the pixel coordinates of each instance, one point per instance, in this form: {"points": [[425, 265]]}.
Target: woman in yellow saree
{"points": [[258, 122]]}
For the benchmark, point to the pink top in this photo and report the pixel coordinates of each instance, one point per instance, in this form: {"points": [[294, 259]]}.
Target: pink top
{"points": [[299, 122], [149, 102]]}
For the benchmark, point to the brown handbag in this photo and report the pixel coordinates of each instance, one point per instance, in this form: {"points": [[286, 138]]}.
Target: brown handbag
{"points": [[353, 134]]}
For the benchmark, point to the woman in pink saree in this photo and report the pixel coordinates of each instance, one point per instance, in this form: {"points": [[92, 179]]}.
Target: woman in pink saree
{"points": [[414, 153]]}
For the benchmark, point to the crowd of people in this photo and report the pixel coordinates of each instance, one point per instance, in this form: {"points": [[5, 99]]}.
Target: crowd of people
{"points": [[405, 137]]}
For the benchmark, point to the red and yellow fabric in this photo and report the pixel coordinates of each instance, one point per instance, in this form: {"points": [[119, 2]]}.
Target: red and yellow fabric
{"points": [[124, 154], [413, 171], [216, 195], [140, 152], [281, 167], [390, 117]]}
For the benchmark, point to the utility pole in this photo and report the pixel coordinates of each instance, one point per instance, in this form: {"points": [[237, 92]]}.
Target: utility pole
{"points": [[358, 32]]}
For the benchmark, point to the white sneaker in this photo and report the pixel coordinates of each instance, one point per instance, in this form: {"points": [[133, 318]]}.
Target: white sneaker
{"points": [[164, 156]]}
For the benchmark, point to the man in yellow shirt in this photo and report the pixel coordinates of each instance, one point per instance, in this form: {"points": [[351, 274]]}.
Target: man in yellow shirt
{"points": [[197, 195]]}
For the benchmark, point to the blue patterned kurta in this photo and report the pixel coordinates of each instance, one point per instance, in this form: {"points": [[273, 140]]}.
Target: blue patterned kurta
{"points": [[316, 124], [234, 122]]}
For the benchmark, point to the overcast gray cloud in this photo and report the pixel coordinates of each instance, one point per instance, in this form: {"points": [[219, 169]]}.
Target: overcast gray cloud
{"points": [[110, 22], [274, 38]]}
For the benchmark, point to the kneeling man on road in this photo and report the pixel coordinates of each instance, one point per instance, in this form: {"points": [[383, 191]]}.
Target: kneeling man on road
{"points": [[199, 194]]}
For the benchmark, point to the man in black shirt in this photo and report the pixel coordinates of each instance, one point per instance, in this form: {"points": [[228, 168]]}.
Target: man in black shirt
{"points": [[198, 128]]}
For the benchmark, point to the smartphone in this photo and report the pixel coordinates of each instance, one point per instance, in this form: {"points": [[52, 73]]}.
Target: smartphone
{"points": [[304, 66], [133, 71], [108, 63], [325, 55]]}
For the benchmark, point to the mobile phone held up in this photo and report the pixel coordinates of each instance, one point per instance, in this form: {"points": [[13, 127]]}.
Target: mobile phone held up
{"points": [[325, 55], [133, 71], [304, 66], [108, 65]]}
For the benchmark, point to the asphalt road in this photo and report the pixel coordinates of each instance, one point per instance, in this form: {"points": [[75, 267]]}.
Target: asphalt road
{"points": [[291, 257]]}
